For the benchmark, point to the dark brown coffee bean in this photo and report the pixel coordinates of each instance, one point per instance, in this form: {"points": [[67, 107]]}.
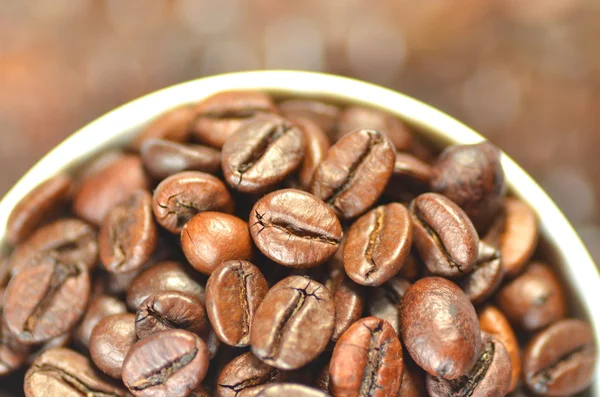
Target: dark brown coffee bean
{"points": [[412, 266], [411, 177], [164, 158], [560, 360], [324, 115], [413, 379], [220, 115], [63, 372], [180, 197], [293, 324], [490, 377], [295, 228], [444, 236], [291, 390], [46, 299], [315, 150], [110, 186], [355, 172], [13, 354], [367, 360], [169, 363], [485, 277], [173, 125], [384, 302], [440, 328], [111, 340], [246, 376], [377, 244], [102, 306], [128, 235], [211, 238], [36, 206], [233, 293], [472, 177], [261, 153], [533, 300]]}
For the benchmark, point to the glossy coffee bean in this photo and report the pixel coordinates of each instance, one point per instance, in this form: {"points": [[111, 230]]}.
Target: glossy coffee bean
{"points": [[560, 360], [168, 363], [220, 115], [261, 153], [211, 238], [233, 293], [173, 125], [367, 360], [384, 302], [485, 277], [36, 206], [315, 150], [533, 300], [293, 324], [490, 377], [66, 373], [324, 115], [164, 158], [13, 354], [291, 390], [100, 307], [355, 172], [410, 178], [111, 340], [180, 197], [377, 244], [440, 328], [443, 235], [46, 299], [247, 376], [295, 228]]}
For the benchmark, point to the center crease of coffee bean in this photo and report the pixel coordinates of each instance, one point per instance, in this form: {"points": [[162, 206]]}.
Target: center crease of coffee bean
{"points": [[162, 374], [72, 381], [243, 297], [293, 230], [465, 385], [116, 237], [373, 236], [251, 382], [438, 241], [374, 357]]}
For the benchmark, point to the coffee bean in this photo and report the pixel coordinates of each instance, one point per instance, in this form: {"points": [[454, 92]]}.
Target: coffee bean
{"points": [[413, 379], [100, 307], [440, 328], [200, 391], [173, 125], [316, 148], [290, 390], [485, 277], [293, 324], [261, 153], [111, 340], [210, 238], [411, 177], [294, 228], [367, 360], [444, 236], [63, 340], [180, 197], [533, 300], [377, 244], [324, 115], [323, 380], [246, 376], [560, 360], [384, 302], [13, 354], [355, 172], [412, 265]]}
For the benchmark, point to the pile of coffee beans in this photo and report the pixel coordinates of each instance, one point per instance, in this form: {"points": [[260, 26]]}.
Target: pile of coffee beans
{"points": [[244, 246]]}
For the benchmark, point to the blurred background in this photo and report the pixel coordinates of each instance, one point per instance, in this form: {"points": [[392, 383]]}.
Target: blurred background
{"points": [[526, 74]]}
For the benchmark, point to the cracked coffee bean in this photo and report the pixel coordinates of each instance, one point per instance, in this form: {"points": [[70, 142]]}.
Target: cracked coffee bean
{"points": [[247, 376], [111, 340]]}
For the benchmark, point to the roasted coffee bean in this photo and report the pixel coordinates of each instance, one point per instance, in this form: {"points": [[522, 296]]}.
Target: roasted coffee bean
{"points": [[444, 236], [440, 328], [490, 377], [472, 177], [291, 390], [355, 172], [533, 300], [180, 197], [211, 238], [413, 379], [63, 340], [200, 391], [110, 186], [261, 153], [412, 266], [102, 306], [164, 158], [324, 115], [378, 244], [233, 293], [46, 299], [63, 372], [367, 360], [168, 363], [384, 302], [111, 340], [174, 125], [293, 324], [485, 277], [294, 228], [220, 115], [315, 150], [411, 177], [13, 354], [323, 379], [560, 360], [247, 376], [36, 206]]}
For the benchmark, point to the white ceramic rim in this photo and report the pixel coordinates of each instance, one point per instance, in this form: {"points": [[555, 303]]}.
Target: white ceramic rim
{"points": [[120, 125]]}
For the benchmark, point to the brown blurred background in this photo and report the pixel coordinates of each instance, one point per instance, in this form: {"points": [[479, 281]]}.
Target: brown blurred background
{"points": [[526, 74]]}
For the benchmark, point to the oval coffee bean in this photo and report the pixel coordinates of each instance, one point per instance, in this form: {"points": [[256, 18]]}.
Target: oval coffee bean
{"points": [[560, 360], [102, 306], [293, 324], [490, 377], [377, 244], [384, 302], [440, 328], [111, 340], [66, 373], [233, 293], [128, 235], [316, 148], [411, 177], [168, 363], [180, 197], [247, 376], [444, 236], [173, 125], [294, 228], [13, 354], [291, 390], [324, 115], [485, 277], [355, 172], [367, 360], [533, 300]]}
